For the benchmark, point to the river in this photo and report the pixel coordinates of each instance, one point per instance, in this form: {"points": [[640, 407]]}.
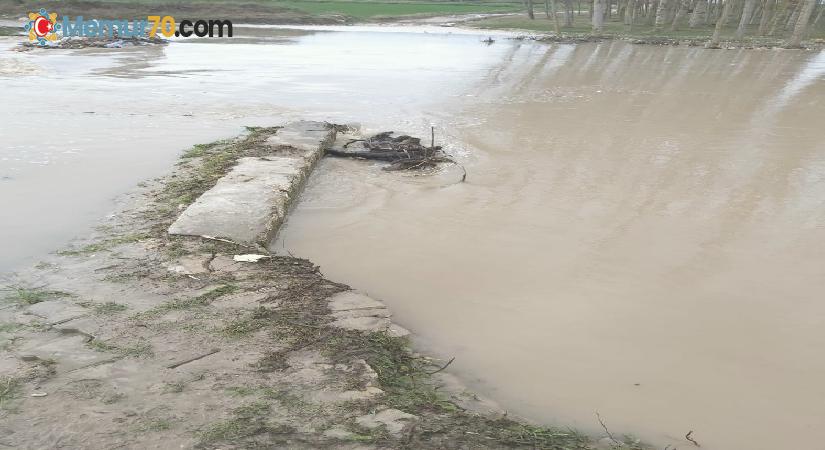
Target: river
{"points": [[641, 233]]}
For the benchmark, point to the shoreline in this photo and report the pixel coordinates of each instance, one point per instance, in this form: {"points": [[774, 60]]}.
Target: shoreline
{"points": [[175, 341]]}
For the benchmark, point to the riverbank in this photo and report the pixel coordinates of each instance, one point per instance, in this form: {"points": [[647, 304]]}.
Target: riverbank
{"points": [[137, 337], [542, 29]]}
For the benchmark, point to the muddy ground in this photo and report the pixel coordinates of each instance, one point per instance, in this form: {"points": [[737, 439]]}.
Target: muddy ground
{"points": [[138, 339]]}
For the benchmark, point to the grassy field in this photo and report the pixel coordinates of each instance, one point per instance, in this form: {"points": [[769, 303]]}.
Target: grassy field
{"points": [[615, 27], [260, 11], [371, 9]]}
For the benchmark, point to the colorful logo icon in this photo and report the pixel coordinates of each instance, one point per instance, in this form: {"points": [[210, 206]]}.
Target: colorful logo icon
{"points": [[42, 26]]}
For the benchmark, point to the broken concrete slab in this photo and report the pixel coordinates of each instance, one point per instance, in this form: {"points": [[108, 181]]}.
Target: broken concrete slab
{"points": [[250, 203], [188, 265], [362, 323], [304, 135], [349, 300], [68, 351], [57, 311], [395, 420], [355, 311]]}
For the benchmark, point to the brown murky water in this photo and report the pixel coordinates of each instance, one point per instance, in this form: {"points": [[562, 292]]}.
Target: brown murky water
{"points": [[642, 232], [642, 235]]}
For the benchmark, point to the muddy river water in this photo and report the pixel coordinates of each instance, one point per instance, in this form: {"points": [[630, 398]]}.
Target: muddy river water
{"points": [[641, 233]]}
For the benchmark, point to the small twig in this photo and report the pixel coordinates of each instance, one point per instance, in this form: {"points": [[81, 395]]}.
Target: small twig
{"points": [[442, 367], [687, 436], [207, 264], [68, 319], [195, 358], [352, 141], [95, 364], [609, 434]]}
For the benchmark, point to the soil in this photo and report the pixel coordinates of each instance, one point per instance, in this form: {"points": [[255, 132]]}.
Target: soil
{"points": [[137, 339]]}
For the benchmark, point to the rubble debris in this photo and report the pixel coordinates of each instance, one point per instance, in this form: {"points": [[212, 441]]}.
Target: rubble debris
{"points": [[403, 152]]}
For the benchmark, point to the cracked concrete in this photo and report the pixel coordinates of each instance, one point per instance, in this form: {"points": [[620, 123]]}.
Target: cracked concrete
{"points": [[250, 203]]}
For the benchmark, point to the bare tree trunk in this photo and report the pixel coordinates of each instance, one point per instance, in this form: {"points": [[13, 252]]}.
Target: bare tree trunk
{"points": [[717, 32], [598, 16], [555, 17], [629, 12], [781, 16], [794, 17], [661, 14], [767, 12], [680, 12], [698, 14], [712, 11], [756, 12], [818, 16], [801, 24], [672, 9], [651, 13], [735, 13], [530, 9], [568, 13], [746, 17]]}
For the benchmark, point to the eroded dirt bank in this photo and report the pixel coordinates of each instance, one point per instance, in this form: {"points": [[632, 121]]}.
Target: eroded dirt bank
{"points": [[140, 339]]}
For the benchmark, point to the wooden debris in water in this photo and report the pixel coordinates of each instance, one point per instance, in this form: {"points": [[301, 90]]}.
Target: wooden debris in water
{"points": [[403, 152]]}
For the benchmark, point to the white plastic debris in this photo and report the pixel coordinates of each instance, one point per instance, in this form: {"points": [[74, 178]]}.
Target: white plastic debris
{"points": [[250, 258]]}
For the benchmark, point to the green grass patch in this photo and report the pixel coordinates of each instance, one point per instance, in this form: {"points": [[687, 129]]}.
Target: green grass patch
{"points": [[153, 425], [10, 389], [615, 27], [248, 420], [252, 410], [31, 296], [241, 391], [105, 245], [141, 349], [373, 9], [187, 303], [258, 319], [108, 308], [9, 327]]}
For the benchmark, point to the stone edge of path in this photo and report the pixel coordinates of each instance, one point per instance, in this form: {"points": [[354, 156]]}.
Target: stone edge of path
{"points": [[249, 204]]}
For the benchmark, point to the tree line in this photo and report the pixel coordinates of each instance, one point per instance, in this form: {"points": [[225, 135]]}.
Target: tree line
{"points": [[789, 20]]}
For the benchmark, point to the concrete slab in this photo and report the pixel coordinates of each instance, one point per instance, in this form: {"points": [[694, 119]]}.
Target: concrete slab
{"points": [[355, 311], [349, 300], [57, 311], [250, 203], [68, 351], [304, 135], [394, 419]]}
